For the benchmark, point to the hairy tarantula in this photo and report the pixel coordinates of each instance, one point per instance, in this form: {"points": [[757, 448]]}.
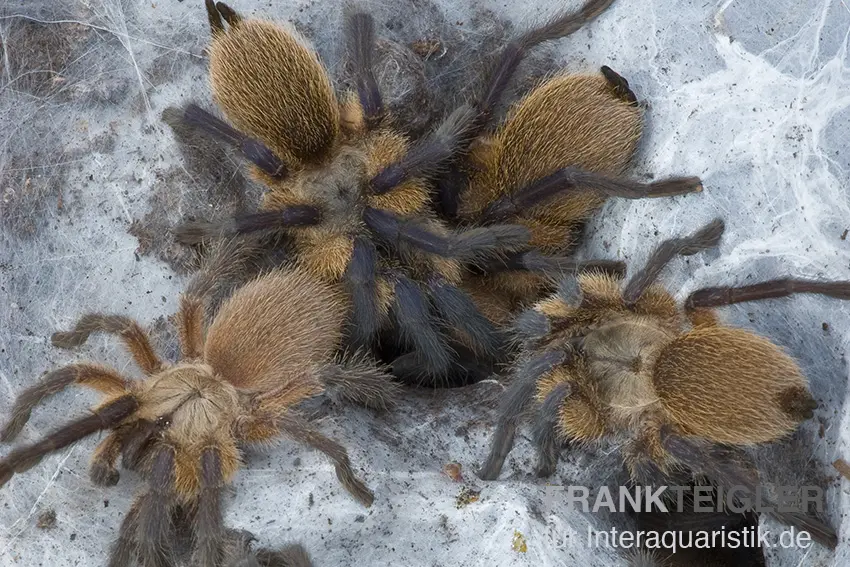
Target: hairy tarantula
{"points": [[684, 391], [239, 382], [551, 180], [354, 195]]}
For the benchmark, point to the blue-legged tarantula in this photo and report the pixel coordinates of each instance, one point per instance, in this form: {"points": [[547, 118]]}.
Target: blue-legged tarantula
{"points": [[602, 359], [354, 195], [239, 382]]}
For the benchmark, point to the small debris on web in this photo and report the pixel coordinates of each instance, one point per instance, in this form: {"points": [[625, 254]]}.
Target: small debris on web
{"points": [[426, 47], [453, 471], [842, 467], [518, 544], [46, 520], [467, 496]]}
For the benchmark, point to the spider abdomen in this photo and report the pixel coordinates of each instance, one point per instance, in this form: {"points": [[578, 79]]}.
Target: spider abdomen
{"points": [[570, 120], [273, 87], [275, 328], [731, 386]]}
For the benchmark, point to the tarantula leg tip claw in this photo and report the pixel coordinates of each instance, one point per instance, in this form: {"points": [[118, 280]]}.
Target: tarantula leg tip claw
{"points": [[104, 476], [62, 339]]}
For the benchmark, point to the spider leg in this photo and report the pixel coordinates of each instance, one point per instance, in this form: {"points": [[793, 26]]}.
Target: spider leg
{"points": [[155, 527], [431, 154], [102, 470], [468, 245], [419, 329], [360, 379], [237, 549], [133, 336], [729, 467], [229, 15], [216, 25], [107, 416], [290, 556], [229, 260], [196, 232], [728, 295], [545, 430], [299, 430], [124, 548], [513, 53], [252, 150], [448, 188], [459, 311], [209, 529], [100, 378], [361, 281], [530, 326], [190, 326], [228, 264], [619, 85], [466, 368], [526, 375], [534, 261], [360, 33], [706, 237], [136, 441], [571, 179]]}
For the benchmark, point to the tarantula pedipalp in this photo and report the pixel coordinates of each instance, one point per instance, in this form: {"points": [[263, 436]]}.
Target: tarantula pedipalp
{"points": [[239, 382], [680, 388]]}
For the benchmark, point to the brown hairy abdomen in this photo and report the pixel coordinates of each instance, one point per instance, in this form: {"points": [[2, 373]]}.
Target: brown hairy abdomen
{"points": [[571, 120], [274, 329], [274, 88], [725, 384]]}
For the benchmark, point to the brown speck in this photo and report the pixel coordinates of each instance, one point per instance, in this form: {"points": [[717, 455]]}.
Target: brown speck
{"points": [[426, 47], [467, 496], [453, 471], [842, 467], [844, 234], [518, 544], [825, 327], [46, 520]]}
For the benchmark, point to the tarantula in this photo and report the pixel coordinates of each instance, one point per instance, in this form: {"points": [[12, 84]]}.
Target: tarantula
{"points": [[539, 177], [352, 192], [239, 381], [682, 389]]}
